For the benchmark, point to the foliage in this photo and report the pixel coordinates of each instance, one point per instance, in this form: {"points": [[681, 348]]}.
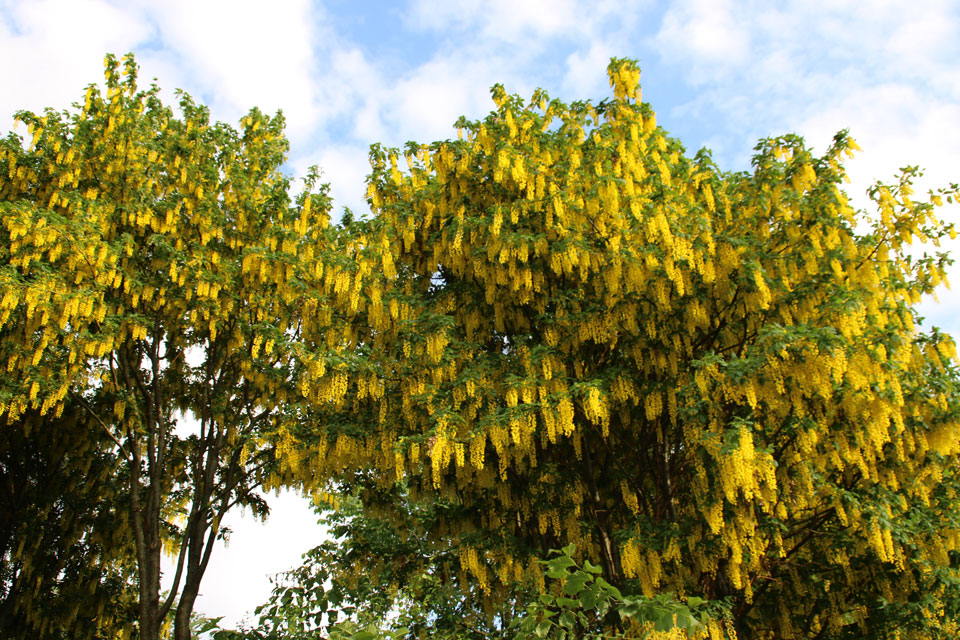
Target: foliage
{"points": [[407, 583], [576, 605], [65, 553], [584, 605], [156, 275], [713, 383]]}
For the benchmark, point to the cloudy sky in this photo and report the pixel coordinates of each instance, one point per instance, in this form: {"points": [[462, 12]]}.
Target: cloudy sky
{"points": [[347, 73]]}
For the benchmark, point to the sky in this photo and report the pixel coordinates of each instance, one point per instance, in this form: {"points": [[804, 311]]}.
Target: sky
{"points": [[347, 73]]}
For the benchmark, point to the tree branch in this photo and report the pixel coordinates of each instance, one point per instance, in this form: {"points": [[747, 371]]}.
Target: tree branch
{"points": [[106, 429]]}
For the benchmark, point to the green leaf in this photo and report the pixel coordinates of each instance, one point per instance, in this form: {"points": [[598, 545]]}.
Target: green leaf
{"points": [[543, 628], [589, 599], [592, 568], [575, 584], [609, 589], [560, 562], [556, 574]]}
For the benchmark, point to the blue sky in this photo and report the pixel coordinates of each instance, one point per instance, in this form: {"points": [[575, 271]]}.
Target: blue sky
{"points": [[719, 74]]}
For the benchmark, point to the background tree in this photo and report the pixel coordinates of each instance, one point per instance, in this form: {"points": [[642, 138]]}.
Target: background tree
{"points": [[66, 554], [326, 598], [157, 276], [409, 586], [713, 383]]}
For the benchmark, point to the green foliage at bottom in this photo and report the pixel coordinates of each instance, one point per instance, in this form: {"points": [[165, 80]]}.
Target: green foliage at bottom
{"points": [[578, 604]]}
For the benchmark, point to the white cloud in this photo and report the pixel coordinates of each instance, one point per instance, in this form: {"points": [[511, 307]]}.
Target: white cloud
{"points": [[54, 48], [425, 105], [236, 54], [816, 68], [896, 125], [511, 21], [586, 70], [707, 33], [442, 15], [352, 87], [529, 24], [496, 19], [231, 55], [344, 167]]}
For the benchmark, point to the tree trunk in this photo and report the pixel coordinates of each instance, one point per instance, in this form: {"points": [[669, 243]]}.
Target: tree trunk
{"points": [[181, 623], [148, 568], [147, 538], [609, 555], [191, 587], [201, 535]]}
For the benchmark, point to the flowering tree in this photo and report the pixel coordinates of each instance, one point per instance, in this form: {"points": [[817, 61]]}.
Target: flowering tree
{"points": [[712, 383], [157, 276]]}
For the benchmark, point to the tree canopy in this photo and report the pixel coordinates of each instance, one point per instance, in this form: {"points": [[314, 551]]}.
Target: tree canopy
{"points": [[713, 383]]}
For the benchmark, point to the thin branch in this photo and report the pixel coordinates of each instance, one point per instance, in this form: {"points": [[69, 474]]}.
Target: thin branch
{"points": [[175, 587], [106, 429]]}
